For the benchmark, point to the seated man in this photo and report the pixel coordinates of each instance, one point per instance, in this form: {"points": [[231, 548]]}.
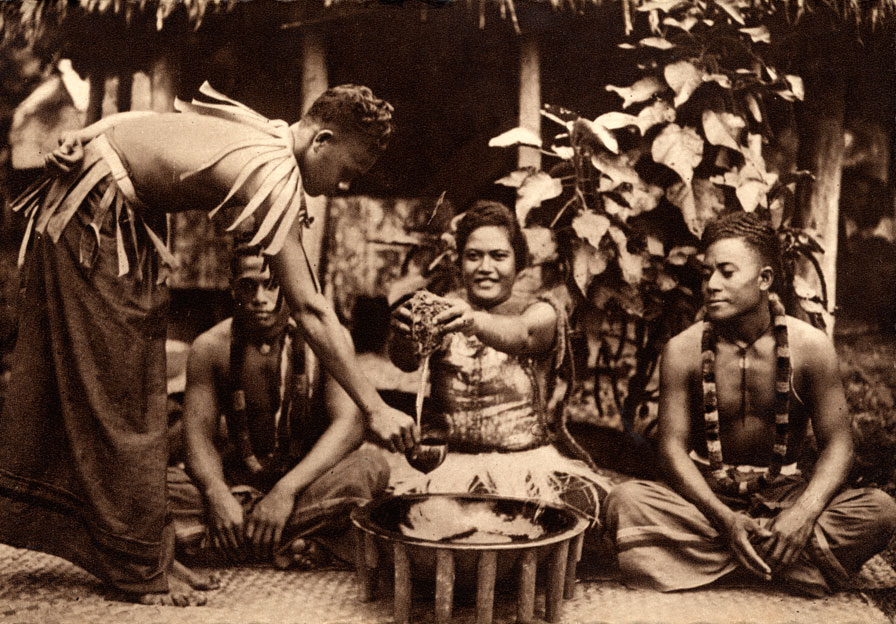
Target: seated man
{"points": [[282, 479], [738, 392]]}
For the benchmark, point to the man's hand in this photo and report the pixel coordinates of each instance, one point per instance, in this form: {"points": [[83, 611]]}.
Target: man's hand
{"points": [[395, 429], [742, 532], [265, 524], [790, 532], [226, 522], [69, 153]]}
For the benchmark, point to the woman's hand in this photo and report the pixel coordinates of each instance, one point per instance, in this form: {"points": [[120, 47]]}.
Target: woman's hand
{"points": [[65, 157], [402, 320], [460, 317]]}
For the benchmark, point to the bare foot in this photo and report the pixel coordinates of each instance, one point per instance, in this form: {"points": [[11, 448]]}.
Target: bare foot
{"points": [[196, 580], [179, 594], [303, 554]]}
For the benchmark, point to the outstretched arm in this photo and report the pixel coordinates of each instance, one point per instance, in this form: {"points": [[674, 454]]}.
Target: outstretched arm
{"points": [[531, 333], [793, 527], [679, 469], [325, 335]]}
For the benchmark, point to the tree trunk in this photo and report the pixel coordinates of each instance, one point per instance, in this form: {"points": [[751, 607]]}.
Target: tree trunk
{"points": [[820, 119]]}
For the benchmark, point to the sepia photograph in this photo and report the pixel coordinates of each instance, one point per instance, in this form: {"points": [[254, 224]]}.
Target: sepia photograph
{"points": [[431, 311]]}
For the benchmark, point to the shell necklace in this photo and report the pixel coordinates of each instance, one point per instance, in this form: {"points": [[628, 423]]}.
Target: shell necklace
{"points": [[721, 474]]}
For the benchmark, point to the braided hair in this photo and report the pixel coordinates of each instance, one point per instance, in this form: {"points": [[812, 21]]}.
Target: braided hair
{"points": [[355, 108], [755, 231]]}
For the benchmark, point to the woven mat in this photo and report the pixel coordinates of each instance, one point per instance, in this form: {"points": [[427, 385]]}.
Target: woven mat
{"points": [[40, 589]]}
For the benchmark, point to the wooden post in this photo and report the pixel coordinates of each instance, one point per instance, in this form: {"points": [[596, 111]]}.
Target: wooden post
{"points": [[485, 587], [366, 565], [402, 600], [123, 95], [525, 600], [444, 585], [530, 98], [97, 79], [575, 555], [314, 82], [553, 602], [163, 77]]}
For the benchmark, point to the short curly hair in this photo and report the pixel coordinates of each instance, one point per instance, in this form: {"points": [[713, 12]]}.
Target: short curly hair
{"points": [[754, 230], [484, 213], [355, 108]]}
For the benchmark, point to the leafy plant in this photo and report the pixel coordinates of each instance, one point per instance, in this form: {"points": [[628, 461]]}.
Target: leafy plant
{"points": [[628, 193]]}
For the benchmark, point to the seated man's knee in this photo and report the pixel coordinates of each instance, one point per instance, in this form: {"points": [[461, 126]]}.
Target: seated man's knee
{"points": [[883, 514], [626, 497], [370, 471]]}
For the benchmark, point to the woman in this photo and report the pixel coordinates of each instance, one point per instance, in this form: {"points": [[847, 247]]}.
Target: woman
{"points": [[494, 378]]}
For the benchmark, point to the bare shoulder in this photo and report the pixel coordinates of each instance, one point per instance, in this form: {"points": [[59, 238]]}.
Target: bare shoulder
{"points": [[211, 349], [682, 351], [809, 345]]}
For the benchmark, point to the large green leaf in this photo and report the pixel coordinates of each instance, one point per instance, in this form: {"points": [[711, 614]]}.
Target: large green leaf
{"points": [[590, 226], [542, 244], [683, 77], [680, 149], [587, 261], [723, 129], [659, 112], [536, 188], [516, 136], [632, 265], [758, 34], [514, 179], [641, 91]]}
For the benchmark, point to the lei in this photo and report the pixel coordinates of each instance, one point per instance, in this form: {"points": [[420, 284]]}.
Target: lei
{"points": [[721, 474]]}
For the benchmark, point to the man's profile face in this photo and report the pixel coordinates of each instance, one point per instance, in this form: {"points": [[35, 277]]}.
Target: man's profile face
{"points": [[333, 161], [734, 278], [255, 295]]}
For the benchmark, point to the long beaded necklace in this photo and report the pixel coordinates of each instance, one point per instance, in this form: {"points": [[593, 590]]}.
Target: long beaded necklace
{"points": [[723, 475]]}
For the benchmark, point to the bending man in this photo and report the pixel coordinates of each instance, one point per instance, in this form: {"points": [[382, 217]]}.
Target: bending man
{"points": [[83, 430], [738, 392]]}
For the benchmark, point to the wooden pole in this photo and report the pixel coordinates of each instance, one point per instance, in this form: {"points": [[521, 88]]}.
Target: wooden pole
{"points": [[314, 82], [485, 587], [444, 585], [575, 555], [525, 600], [123, 94], [402, 601], [553, 602], [163, 78], [366, 565], [530, 98], [97, 79]]}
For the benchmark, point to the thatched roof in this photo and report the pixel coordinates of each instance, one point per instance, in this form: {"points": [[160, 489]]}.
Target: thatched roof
{"points": [[30, 16]]}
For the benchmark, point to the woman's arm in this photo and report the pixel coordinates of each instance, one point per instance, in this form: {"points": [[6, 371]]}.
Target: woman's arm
{"points": [[531, 333]]}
